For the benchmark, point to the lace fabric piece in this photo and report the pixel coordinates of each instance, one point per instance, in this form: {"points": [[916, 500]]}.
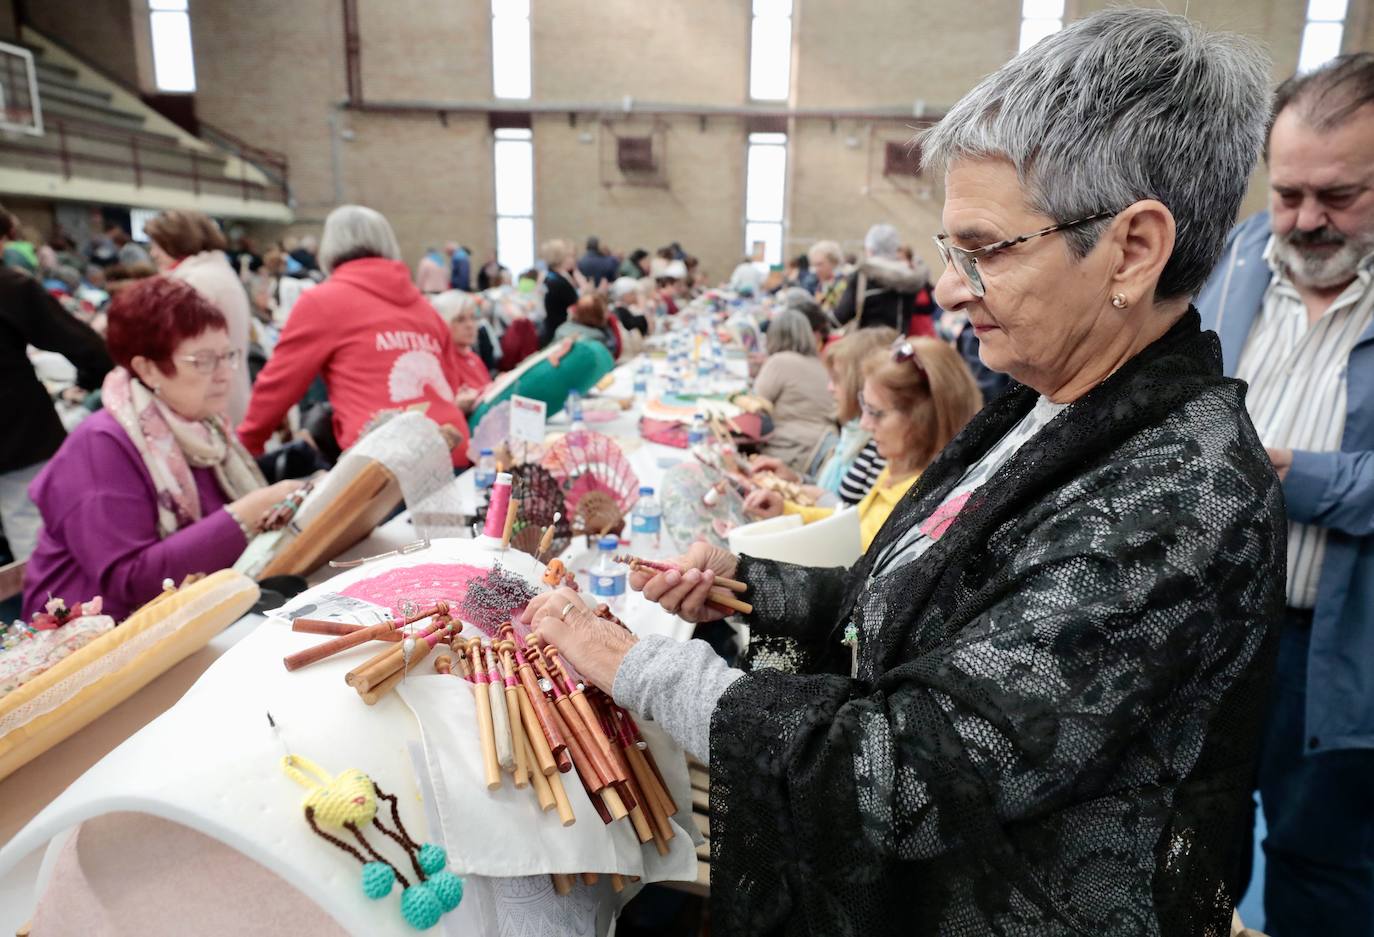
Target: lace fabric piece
{"points": [[1056, 710], [421, 585]]}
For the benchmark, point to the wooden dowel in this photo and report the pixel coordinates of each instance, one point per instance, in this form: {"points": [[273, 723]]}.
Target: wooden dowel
{"points": [[334, 628], [542, 761], [542, 792], [486, 731], [614, 804], [543, 713], [511, 511], [653, 804], [665, 798], [560, 798], [375, 693], [726, 600], [734, 585], [517, 722], [343, 642]]}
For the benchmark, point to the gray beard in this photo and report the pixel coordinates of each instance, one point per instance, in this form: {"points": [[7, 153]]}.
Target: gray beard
{"points": [[1326, 272]]}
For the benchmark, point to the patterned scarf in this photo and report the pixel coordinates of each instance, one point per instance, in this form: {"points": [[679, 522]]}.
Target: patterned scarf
{"points": [[172, 445]]}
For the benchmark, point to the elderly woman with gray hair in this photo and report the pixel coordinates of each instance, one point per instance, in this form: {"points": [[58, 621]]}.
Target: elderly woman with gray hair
{"points": [[1033, 705], [369, 333], [886, 290], [794, 381]]}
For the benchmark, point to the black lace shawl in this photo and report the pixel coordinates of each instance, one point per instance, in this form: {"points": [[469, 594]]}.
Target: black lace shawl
{"points": [[1057, 707]]}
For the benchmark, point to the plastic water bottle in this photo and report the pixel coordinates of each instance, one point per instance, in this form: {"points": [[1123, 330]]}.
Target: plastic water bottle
{"points": [[574, 406], [609, 577], [696, 433], [642, 378], [647, 524], [484, 476]]}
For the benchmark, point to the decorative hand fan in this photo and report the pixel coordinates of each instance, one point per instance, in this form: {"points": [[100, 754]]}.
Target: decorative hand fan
{"points": [[584, 462], [541, 498], [597, 514], [686, 515], [492, 432]]}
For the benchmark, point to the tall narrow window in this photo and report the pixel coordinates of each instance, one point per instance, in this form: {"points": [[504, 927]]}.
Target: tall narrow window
{"points": [[514, 160], [770, 50], [174, 67], [1039, 18], [765, 188], [1321, 37], [510, 48]]}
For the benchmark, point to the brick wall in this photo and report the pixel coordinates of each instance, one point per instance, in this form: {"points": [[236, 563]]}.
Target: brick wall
{"points": [[100, 31]]}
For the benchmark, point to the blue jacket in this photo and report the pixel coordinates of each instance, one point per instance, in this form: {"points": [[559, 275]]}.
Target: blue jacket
{"points": [[1332, 489]]}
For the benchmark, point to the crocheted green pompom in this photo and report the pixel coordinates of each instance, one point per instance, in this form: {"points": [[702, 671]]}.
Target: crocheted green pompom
{"points": [[421, 907], [448, 888], [378, 877], [432, 858]]}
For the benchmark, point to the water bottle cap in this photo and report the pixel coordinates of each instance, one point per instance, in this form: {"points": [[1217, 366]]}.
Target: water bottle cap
{"points": [[608, 542], [646, 489], [486, 452]]}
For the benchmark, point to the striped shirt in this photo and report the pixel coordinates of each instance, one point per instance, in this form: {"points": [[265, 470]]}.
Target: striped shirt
{"points": [[862, 475], [1297, 377]]}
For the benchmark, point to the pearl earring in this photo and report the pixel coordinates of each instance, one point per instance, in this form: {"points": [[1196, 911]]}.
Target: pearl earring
{"points": [[1119, 300]]}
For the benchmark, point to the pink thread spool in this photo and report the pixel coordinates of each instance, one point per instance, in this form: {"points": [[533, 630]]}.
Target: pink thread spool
{"points": [[495, 525]]}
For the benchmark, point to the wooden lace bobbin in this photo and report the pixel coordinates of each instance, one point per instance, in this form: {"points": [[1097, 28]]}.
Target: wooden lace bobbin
{"points": [[543, 710], [562, 884], [390, 659], [589, 878], [417, 656], [517, 724], [334, 628], [587, 756], [558, 670], [541, 760], [512, 510], [617, 883], [542, 791], [582, 778], [500, 713], [560, 799], [587, 775], [343, 642], [486, 730]]}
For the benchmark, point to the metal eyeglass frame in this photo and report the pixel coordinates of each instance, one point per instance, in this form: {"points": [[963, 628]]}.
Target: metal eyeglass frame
{"points": [[966, 261]]}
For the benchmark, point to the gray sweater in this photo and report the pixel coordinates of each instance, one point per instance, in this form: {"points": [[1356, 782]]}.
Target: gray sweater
{"points": [[676, 684]]}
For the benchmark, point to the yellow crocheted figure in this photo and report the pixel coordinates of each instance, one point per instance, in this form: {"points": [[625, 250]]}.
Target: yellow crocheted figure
{"points": [[348, 802]]}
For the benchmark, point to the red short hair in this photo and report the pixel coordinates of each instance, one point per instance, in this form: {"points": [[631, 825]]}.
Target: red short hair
{"points": [[154, 317]]}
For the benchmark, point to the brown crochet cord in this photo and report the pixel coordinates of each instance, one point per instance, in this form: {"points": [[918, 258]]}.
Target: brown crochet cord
{"points": [[310, 819]]}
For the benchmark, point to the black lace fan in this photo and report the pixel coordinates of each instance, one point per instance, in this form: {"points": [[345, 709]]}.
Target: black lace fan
{"points": [[540, 499]]}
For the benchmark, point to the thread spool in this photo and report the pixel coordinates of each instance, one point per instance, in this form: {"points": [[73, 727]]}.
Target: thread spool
{"points": [[498, 506]]}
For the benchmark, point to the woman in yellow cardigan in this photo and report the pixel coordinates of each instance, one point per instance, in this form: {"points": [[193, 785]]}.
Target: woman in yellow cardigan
{"points": [[915, 399]]}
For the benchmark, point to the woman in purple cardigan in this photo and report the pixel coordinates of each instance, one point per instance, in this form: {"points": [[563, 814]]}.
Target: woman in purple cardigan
{"points": [[154, 486]]}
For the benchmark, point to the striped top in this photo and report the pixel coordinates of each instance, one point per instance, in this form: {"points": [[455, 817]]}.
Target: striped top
{"points": [[1297, 377], [862, 475]]}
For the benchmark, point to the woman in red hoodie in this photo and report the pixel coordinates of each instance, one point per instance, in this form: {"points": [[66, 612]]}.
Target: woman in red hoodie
{"points": [[368, 332]]}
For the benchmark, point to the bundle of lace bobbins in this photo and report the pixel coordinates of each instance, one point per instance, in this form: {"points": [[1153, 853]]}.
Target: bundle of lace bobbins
{"points": [[720, 596]]}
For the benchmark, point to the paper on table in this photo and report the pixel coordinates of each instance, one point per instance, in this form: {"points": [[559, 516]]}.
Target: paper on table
{"points": [[503, 832]]}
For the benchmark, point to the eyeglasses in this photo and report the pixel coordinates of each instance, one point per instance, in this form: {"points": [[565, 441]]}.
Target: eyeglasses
{"points": [[875, 415], [966, 261], [206, 362]]}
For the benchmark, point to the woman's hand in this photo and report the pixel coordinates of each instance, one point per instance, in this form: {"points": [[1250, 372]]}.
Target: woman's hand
{"points": [[466, 399], [252, 508], [763, 503], [593, 645], [684, 592], [767, 463]]}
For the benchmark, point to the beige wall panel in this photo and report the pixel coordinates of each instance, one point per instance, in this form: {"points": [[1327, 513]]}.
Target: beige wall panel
{"points": [[679, 52], [702, 204], [420, 50], [100, 31], [433, 182]]}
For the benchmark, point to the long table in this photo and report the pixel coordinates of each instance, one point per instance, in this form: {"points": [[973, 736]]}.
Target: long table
{"points": [[27, 791]]}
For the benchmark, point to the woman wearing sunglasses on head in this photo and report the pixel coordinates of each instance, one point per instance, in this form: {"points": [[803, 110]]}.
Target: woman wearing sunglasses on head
{"points": [[155, 485], [915, 399], [1033, 705]]}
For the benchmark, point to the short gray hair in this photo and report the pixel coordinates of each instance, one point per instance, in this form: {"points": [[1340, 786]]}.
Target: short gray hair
{"points": [[882, 240], [352, 232], [790, 331], [1121, 106], [828, 249]]}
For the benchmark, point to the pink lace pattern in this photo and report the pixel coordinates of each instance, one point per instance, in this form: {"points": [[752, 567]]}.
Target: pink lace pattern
{"points": [[421, 585]]}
